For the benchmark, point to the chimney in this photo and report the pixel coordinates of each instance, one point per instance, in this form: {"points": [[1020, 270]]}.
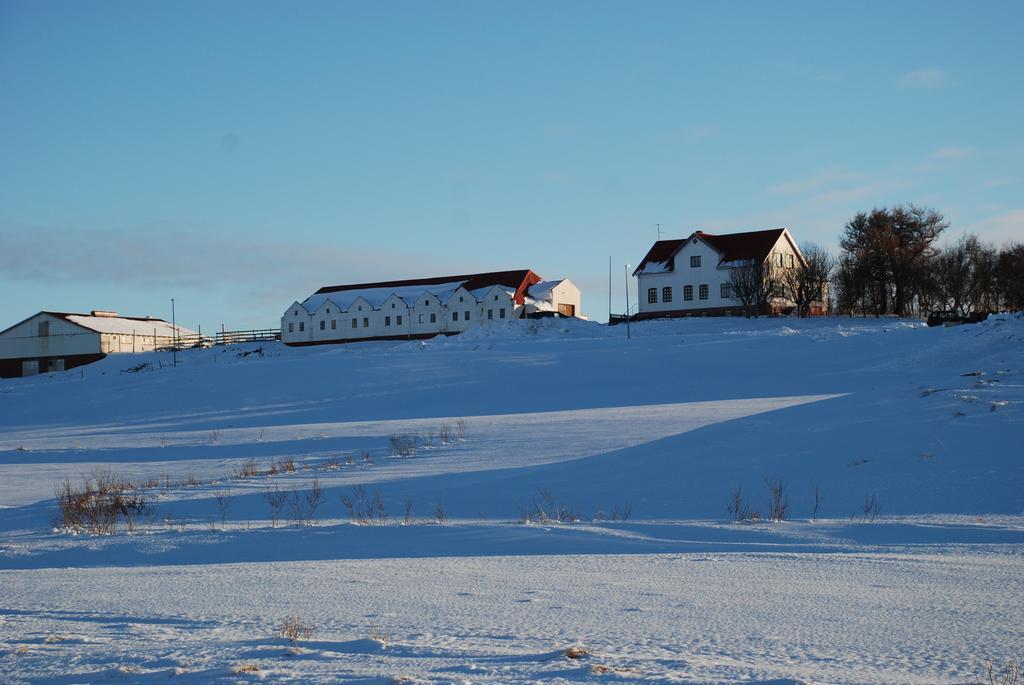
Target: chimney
{"points": [[102, 313]]}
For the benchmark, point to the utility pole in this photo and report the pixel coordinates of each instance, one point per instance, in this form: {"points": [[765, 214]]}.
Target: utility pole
{"points": [[174, 336], [625, 270], [609, 289]]}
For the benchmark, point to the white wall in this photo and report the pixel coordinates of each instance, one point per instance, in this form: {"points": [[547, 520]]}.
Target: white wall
{"points": [[64, 340], [707, 273], [566, 292]]}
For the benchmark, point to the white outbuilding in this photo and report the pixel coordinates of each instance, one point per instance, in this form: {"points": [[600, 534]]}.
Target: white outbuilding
{"points": [[424, 307], [55, 341]]}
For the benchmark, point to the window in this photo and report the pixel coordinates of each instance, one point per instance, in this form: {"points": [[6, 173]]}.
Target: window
{"points": [[652, 295], [460, 298], [398, 320], [790, 261], [687, 292], [360, 307], [291, 328], [323, 325], [778, 259], [392, 305], [433, 318], [426, 303], [328, 310], [387, 320], [421, 318], [334, 324], [695, 261], [501, 313], [355, 323], [455, 316], [302, 326], [666, 294], [467, 315], [44, 329], [495, 298], [726, 291], [703, 291], [490, 313], [366, 322]]}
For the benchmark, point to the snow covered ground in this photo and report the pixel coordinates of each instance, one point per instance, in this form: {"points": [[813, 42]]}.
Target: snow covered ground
{"points": [[556, 417]]}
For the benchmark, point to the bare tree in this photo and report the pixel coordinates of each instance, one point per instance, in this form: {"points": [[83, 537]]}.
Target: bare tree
{"points": [[816, 503], [223, 502], [312, 499], [778, 500], [806, 284], [753, 283], [276, 498]]}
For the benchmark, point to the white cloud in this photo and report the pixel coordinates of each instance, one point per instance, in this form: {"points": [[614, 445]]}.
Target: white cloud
{"points": [[1005, 227], [698, 132], [251, 269], [926, 79], [816, 181], [954, 153]]}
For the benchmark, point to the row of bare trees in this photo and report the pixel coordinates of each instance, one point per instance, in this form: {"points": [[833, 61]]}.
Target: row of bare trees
{"points": [[891, 264], [756, 284]]}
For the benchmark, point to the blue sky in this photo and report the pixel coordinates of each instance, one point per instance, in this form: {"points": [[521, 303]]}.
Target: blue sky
{"points": [[237, 156]]}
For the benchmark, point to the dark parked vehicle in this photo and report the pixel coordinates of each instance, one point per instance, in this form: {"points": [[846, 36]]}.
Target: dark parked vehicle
{"points": [[952, 318]]}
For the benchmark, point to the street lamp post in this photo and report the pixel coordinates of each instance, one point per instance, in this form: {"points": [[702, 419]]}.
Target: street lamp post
{"points": [[174, 336], [625, 271]]}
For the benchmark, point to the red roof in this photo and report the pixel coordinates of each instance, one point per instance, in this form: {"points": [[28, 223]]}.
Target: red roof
{"points": [[519, 279], [751, 245], [731, 247]]}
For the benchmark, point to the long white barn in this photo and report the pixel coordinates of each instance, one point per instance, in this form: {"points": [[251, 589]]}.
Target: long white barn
{"points": [[55, 341], [425, 307]]}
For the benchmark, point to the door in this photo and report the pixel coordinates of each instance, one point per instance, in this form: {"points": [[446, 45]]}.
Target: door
{"points": [[567, 309]]}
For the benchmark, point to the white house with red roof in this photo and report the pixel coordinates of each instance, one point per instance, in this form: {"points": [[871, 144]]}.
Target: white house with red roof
{"points": [[691, 276], [424, 307], [55, 341]]}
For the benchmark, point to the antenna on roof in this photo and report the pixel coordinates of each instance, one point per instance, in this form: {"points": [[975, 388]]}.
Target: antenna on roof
{"points": [[659, 231]]}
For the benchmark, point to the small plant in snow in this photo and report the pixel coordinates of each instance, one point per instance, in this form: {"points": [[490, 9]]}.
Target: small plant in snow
{"points": [[293, 629], [363, 510], [214, 437], [871, 508], [246, 469], [546, 510], [440, 513], [407, 519], [576, 652], [445, 434], [739, 510], [403, 445], [382, 637], [460, 429], [1011, 673]]}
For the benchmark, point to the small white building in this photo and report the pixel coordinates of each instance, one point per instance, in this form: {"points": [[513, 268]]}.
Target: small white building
{"points": [[425, 307], [55, 341], [691, 276]]}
